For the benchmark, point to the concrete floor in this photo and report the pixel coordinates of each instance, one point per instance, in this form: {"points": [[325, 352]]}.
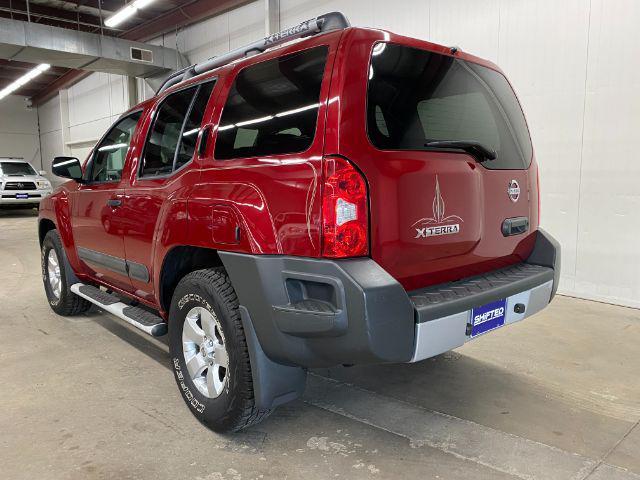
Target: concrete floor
{"points": [[555, 397]]}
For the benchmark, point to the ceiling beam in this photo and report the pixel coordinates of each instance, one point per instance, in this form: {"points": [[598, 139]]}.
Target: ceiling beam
{"points": [[9, 76], [182, 16], [179, 17], [64, 81], [18, 10], [25, 67]]}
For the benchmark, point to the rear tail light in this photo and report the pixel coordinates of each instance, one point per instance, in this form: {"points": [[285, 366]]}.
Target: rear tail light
{"points": [[345, 219]]}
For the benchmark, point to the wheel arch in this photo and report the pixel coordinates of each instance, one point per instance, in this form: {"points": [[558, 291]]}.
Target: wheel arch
{"points": [[178, 262], [45, 225]]}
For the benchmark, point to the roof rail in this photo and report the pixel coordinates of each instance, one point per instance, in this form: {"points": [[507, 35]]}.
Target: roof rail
{"points": [[320, 24]]}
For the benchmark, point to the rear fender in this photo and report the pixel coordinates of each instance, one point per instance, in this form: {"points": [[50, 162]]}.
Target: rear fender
{"points": [[232, 216]]}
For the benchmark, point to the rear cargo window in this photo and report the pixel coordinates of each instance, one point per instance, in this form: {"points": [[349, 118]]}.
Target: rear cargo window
{"points": [[415, 97], [272, 107]]}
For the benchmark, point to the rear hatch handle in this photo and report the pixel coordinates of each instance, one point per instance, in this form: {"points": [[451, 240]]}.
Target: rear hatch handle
{"points": [[479, 151]]}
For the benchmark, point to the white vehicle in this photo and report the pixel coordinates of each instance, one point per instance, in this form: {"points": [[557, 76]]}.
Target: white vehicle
{"points": [[21, 184]]}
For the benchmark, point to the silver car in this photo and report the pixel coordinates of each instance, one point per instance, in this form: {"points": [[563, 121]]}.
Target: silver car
{"points": [[21, 184]]}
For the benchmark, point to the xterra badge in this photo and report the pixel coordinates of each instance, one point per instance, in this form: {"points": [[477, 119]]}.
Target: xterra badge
{"points": [[514, 191], [439, 224]]}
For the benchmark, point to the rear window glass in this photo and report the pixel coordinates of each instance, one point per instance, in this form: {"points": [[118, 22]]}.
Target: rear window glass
{"points": [[272, 107], [415, 97]]}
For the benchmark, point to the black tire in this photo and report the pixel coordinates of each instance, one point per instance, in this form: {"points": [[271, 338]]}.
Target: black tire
{"points": [[67, 303], [234, 409]]}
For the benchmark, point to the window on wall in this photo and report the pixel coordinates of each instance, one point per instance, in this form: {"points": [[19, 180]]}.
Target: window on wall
{"points": [[272, 107], [111, 153], [171, 142]]}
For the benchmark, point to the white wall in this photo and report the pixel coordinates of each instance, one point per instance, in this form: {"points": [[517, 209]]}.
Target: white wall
{"points": [[70, 124], [94, 104], [50, 133], [575, 65], [19, 130]]}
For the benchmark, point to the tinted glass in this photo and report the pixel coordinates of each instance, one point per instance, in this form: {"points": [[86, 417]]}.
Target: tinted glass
{"points": [[272, 107], [111, 153], [415, 97], [172, 140], [192, 126], [16, 169], [162, 142]]}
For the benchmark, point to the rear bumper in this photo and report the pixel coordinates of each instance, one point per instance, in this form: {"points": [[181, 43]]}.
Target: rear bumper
{"points": [[320, 313], [443, 333]]}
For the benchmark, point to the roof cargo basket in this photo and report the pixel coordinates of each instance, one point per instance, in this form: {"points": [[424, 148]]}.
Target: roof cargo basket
{"points": [[320, 24]]}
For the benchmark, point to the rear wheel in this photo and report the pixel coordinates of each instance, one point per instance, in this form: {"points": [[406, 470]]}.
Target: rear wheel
{"points": [[58, 278], [209, 353]]}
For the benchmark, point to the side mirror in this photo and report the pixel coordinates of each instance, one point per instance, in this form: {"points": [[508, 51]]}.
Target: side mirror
{"points": [[67, 167], [42, 173]]}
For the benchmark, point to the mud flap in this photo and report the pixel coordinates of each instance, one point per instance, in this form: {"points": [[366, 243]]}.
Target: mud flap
{"points": [[273, 383]]}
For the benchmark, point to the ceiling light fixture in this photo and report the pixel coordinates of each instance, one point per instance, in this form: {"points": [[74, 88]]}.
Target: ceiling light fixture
{"points": [[26, 78], [126, 12]]}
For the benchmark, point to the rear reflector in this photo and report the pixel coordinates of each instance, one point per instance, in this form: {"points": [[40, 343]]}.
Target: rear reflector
{"points": [[345, 219]]}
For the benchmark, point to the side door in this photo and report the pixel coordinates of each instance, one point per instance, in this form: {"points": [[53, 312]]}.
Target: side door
{"points": [[96, 220], [159, 185]]}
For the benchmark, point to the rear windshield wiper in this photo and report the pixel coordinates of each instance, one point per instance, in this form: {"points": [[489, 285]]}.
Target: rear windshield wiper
{"points": [[476, 149]]}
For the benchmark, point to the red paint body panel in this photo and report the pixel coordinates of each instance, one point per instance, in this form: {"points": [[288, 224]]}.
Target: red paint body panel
{"points": [[272, 205], [402, 186]]}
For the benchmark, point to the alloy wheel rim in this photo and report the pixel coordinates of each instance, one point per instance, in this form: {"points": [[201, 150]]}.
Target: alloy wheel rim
{"points": [[205, 352], [53, 271]]}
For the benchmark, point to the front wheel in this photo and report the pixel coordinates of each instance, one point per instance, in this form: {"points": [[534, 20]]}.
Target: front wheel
{"points": [[58, 278], [209, 353]]}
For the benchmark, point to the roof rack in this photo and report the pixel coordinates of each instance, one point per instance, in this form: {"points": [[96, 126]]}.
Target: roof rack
{"points": [[320, 24]]}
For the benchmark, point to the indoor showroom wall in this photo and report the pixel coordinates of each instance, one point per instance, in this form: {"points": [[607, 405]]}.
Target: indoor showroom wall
{"points": [[574, 64], [19, 130], [72, 122]]}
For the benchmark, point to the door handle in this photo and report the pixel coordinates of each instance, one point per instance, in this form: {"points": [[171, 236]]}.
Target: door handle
{"points": [[515, 226], [114, 203]]}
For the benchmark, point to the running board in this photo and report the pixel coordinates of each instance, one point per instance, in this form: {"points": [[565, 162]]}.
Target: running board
{"points": [[136, 316]]}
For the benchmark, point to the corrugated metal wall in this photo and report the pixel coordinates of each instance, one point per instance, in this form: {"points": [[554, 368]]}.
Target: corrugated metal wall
{"points": [[576, 67]]}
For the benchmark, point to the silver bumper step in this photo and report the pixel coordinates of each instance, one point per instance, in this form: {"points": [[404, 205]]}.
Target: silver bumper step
{"points": [[136, 316]]}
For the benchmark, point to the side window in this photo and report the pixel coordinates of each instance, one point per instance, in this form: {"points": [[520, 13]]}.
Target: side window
{"points": [[172, 139], [110, 155], [272, 107], [192, 127]]}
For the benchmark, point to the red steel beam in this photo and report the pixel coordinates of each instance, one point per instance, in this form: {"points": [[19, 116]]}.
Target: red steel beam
{"points": [[70, 78], [182, 16]]}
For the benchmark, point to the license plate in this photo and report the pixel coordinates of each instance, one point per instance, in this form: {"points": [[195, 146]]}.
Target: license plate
{"points": [[22, 195], [488, 317]]}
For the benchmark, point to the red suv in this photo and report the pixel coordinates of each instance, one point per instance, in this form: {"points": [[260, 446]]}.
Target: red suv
{"points": [[327, 195]]}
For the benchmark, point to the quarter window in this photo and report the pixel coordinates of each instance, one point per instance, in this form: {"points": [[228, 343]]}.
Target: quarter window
{"points": [[272, 107], [172, 139], [111, 153]]}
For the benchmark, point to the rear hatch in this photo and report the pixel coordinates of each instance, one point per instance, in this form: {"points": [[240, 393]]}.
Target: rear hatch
{"points": [[439, 200]]}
